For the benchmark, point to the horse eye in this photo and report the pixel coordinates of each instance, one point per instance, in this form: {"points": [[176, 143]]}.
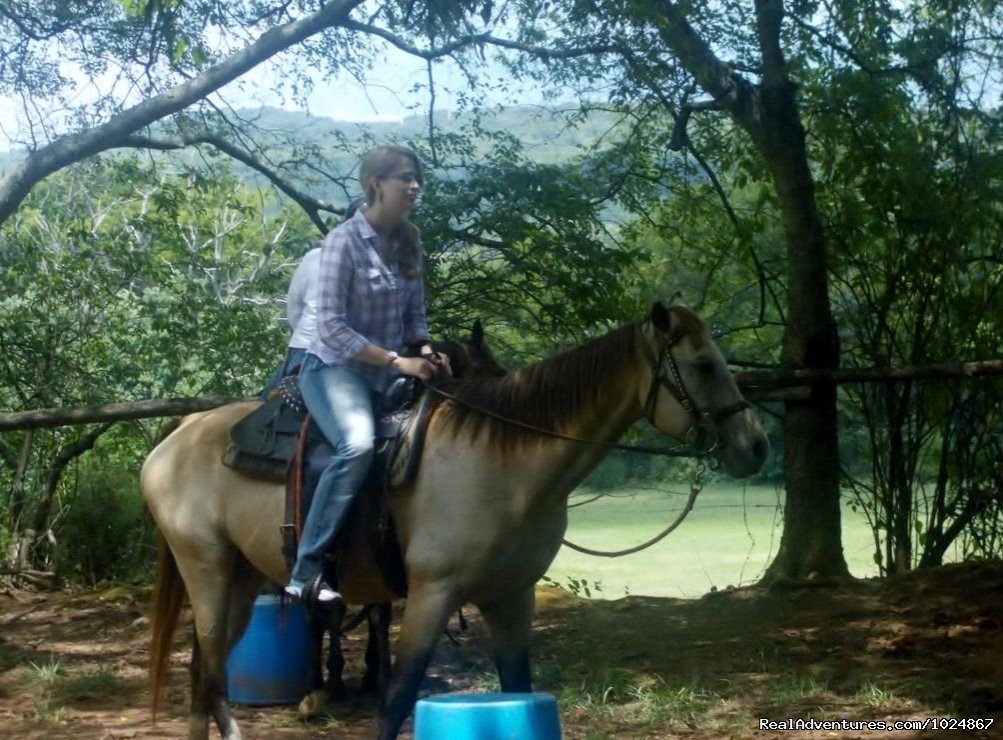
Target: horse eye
{"points": [[704, 367]]}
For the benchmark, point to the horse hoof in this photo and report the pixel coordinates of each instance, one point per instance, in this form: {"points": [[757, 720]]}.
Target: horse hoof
{"points": [[313, 704], [336, 692], [198, 727]]}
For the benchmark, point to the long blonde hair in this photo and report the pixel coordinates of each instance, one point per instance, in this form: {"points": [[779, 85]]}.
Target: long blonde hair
{"points": [[380, 163]]}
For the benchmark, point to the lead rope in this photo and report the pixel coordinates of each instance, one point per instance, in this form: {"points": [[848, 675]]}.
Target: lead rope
{"points": [[695, 487]]}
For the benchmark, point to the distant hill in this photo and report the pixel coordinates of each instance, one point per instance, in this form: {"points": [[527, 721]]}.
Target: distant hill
{"points": [[544, 134]]}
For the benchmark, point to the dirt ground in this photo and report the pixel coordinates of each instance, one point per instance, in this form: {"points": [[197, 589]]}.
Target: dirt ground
{"points": [[73, 663]]}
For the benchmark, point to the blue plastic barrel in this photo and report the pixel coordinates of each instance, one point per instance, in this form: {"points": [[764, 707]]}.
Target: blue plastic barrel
{"points": [[268, 665], [487, 717]]}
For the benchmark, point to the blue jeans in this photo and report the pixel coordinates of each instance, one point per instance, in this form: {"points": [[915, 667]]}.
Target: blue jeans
{"points": [[341, 405], [294, 357]]}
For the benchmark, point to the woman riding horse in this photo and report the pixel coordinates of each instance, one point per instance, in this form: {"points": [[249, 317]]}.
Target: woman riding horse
{"points": [[371, 299]]}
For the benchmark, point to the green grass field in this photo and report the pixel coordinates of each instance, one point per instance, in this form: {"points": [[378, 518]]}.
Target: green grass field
{"points": [[728, 539]]}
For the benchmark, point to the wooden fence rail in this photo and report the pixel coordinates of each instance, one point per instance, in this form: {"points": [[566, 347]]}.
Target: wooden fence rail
{"points": [[58, 417], [758, 385]]}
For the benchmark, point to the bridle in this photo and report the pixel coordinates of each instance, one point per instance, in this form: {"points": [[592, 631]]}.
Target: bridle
{"points": [[704, 422]]}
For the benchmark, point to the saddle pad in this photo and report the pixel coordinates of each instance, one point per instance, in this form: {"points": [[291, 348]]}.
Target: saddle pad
{"points": [[263, 443], [269, 431]]}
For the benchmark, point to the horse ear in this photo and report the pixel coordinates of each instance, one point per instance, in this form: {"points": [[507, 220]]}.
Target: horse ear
{"points": [[477, 333], [661, 317]]}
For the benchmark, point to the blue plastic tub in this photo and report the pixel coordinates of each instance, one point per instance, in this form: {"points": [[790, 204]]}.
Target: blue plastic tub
{"points": [[268, 665], [487, 717]]}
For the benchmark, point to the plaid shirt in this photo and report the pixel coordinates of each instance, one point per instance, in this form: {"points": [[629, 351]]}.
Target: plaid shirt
{"points": [[364, 300]]}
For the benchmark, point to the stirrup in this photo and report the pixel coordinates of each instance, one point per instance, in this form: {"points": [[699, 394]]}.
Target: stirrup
{"points": [[318, 592]]}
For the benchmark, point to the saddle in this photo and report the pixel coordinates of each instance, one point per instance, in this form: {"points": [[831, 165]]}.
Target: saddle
{"points": [[278, 442]]}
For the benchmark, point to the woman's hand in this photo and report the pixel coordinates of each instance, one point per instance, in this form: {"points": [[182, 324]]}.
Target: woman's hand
{"points": [[441, 362], [416, 367]]}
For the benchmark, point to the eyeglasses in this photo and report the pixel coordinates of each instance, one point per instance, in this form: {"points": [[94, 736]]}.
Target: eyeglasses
{"points": [[406, 177]]}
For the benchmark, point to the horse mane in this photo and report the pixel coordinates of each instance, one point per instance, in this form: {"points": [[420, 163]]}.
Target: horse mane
{"points": [[547, 394]]}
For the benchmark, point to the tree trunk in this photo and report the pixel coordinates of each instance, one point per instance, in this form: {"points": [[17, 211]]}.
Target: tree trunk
{"points": [[43, 511], [811, 544], [16, 501], [900, 481]]}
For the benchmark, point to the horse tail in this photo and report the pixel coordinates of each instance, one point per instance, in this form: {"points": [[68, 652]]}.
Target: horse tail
{"points": [[168, 598]]}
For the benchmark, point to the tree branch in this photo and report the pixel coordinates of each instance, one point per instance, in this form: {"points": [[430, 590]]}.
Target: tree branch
{"points": [[38, 31], [431, 113], [404, 45], [312, 206], [483, 39], [679, 140], [726, 86], [830, 40], [72, 148], [764, 283], [546, 53]]}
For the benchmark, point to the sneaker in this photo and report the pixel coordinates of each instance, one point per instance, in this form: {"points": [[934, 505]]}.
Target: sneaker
{"points": [[326, 594]]}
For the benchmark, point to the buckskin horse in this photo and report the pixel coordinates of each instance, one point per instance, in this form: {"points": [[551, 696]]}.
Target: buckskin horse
{"points": [[479, 523]]}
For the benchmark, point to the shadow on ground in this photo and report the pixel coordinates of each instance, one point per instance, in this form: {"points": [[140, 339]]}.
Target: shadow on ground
{"points": [[930, 644]]}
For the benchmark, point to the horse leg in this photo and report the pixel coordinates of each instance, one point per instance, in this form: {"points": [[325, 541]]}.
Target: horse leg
{"points": [[208, 573], [510, 623], [198, 724], [244, 589], [425, 618], [335, 684], [377, 676], [324, 619]]}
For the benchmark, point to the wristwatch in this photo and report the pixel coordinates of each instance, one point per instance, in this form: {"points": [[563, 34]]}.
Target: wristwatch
{"points": [[391, 356]]}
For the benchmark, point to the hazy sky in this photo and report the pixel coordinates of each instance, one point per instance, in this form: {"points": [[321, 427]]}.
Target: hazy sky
{"points": [[388, 95]]}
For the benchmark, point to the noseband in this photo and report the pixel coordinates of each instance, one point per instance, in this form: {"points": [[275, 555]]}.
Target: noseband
{"points": [[672, 381]]}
